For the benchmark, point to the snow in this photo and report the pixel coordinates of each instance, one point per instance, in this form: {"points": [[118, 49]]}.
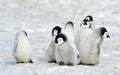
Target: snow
{"points": [[38, 17]]}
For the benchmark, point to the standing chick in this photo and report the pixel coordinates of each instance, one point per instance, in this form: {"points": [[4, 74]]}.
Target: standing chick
{"points": [[83, 31], [22, 49], [90, 46], [65, 53], [51, 47]]}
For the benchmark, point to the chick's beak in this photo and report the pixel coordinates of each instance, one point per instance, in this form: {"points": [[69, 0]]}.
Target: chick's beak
{"points": [[108, 36]]}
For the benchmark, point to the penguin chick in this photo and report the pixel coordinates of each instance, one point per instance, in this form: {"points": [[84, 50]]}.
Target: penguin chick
{"points": [[69, 31], [22, 49], [83, 31], [65, 53], [51, 47], [90, 46]]}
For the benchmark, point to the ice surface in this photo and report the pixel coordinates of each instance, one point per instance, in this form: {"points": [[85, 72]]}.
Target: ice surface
{"points": [[38, 17]]}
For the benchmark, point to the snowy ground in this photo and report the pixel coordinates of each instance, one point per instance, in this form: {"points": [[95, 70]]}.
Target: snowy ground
{"points": [[38, 17]]}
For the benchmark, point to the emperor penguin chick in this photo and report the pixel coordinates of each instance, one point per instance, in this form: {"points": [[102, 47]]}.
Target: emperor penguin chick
{"points": [[90, 46], [22, 49], [83, 31], [65, 53], [51, 47], [69, 31]]}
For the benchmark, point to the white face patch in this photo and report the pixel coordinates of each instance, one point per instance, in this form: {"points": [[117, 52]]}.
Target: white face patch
{"points": [[55, 32], [60, 40], [106, 34], [88, 18], [85, 26]]}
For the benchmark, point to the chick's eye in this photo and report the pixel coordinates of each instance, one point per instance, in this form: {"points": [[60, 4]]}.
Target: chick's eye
{"points": [[59, 39], [55, 31]]}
